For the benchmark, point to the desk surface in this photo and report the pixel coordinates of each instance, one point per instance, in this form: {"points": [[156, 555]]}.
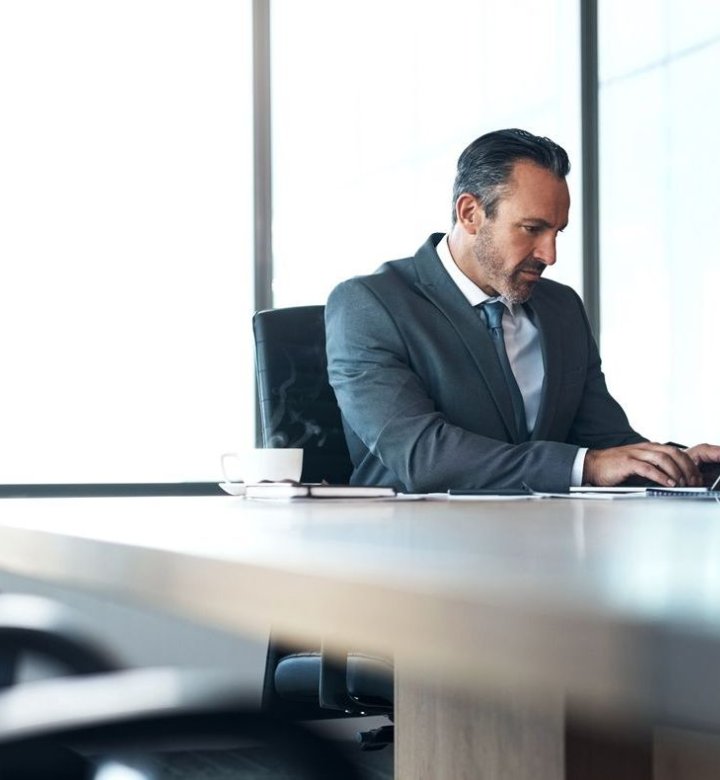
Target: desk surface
{"points": [[616, 601]]}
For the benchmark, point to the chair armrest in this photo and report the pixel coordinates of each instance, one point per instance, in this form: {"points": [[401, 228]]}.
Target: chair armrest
{"points": [[39, 625], [333, 692]]}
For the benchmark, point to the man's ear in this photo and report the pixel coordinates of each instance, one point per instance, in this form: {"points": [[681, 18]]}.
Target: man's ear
{"points": [[470, 213]]}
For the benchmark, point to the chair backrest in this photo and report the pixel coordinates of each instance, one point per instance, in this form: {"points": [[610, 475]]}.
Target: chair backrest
{"points": [[297, 405]]}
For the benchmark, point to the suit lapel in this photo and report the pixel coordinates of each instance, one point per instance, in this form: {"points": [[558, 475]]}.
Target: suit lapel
{"points": [[435, 284]]}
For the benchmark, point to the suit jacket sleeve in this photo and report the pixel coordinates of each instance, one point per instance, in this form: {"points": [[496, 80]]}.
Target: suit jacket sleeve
{"points": [[396, 433], [600, 421]]}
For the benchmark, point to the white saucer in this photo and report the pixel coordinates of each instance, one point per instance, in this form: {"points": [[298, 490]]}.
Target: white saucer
{"points": [[233, 488]]}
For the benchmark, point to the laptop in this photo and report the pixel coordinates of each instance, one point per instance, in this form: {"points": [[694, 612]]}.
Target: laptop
{"points": [[711, 474], [710, 471], [712, 492]]}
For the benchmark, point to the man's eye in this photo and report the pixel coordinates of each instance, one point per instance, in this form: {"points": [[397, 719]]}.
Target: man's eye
{"points": [[532, 228]]}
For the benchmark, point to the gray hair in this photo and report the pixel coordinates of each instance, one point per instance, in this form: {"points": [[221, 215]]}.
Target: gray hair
{"points": [[485, 167]]}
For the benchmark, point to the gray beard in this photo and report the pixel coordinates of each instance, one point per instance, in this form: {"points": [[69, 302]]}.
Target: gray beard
{"points": [[507, 283]]}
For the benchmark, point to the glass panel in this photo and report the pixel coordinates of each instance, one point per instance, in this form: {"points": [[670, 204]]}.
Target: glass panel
{"points": [[125, 234], [695, 24], [632, 36], [659, 212], [373, 103]]}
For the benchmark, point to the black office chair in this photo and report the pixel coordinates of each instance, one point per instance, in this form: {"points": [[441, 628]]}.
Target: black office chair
{"points": [[297, 404], [98, 719], [298, 409]]}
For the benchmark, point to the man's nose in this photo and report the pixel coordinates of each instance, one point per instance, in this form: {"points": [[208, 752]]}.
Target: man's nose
{"points": [[546, 252]]}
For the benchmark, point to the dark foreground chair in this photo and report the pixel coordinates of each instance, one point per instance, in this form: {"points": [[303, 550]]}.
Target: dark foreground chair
{"points": [[298, 409], [97, 719], [76, 728], [33, 626]]}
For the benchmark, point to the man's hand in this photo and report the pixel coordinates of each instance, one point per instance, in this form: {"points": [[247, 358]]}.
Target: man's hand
{"points": [[704, 453], [661, 463]]}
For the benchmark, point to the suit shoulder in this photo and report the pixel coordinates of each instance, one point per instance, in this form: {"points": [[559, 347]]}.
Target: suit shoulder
{"points": [[388, 278]]}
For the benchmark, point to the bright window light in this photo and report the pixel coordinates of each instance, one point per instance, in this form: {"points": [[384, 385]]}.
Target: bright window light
{"points": [[125, 238], [373, 103]]}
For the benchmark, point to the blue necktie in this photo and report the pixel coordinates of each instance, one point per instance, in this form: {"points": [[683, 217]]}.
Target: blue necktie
{"points": [[493, 314]]}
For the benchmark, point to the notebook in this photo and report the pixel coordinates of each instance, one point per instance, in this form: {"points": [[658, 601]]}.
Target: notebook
{"points": [[299, 490]]}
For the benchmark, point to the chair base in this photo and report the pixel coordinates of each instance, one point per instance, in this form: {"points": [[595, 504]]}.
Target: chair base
{"points": [[376, 739]]}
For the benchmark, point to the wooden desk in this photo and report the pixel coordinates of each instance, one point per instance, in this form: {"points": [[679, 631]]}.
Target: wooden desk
{"points": [[497, 613]]}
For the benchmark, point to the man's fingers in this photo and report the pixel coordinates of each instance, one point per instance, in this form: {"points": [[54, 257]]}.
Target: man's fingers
{"points": [[693, 478], [652, 473], [704, 453], [660, 463], [672, 463]]}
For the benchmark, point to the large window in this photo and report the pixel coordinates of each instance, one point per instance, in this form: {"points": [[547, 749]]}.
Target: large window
{"points": [[126, 213], [125, 237], [659, 214], [373, 103]]}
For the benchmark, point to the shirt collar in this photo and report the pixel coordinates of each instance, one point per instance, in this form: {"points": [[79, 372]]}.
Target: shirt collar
{"points": [[468, 288]]}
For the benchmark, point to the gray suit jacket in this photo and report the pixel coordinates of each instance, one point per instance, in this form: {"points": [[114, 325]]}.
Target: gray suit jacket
{"points": [[424, 401]]}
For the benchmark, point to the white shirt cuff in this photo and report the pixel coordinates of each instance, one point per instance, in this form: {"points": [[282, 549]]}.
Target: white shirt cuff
{"points": [[577, 469]]}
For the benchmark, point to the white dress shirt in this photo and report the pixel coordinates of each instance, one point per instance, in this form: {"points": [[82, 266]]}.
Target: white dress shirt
{"points": [[522, 343]]}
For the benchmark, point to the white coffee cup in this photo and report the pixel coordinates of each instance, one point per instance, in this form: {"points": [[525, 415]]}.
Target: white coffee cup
{"points": [[259, 465]]}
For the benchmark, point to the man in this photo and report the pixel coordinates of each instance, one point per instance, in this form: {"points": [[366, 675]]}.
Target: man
{"points": [[462, 368]]}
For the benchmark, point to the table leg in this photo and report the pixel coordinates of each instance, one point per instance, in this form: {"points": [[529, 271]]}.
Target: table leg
{"points": [[686, 755], [443, 733]]}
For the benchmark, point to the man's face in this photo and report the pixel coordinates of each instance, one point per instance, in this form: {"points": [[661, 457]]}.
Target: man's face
{"points": [[512, 249]]}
